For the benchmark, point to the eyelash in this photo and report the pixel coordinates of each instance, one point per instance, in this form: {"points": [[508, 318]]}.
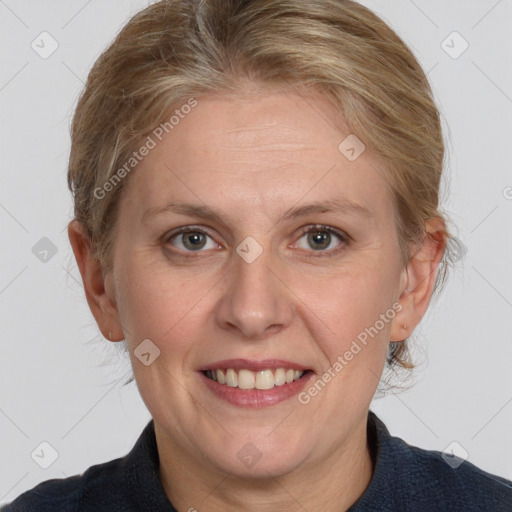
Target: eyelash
{"points": [[342, 236]]}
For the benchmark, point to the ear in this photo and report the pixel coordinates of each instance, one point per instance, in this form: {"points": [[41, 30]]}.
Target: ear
{"points": [[418, 279], [98, 285]]}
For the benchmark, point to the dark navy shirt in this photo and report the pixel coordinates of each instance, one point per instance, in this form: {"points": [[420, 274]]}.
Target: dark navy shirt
{"points": [[405, 478]]}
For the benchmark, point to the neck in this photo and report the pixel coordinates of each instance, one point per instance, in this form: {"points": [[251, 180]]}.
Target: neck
{"points": [[329, 484]]}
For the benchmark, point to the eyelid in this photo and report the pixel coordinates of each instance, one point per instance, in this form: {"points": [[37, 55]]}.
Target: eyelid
{"points": [[168, 236], [184, 229], [342, 235], [345, 240], [322, 227]]}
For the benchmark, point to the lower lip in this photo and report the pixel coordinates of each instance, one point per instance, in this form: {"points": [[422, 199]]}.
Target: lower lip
{"points": [[256, 397]]}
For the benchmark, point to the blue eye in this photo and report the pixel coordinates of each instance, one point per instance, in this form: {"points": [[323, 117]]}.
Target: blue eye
{"points": [[321, 238], [191, 240]]}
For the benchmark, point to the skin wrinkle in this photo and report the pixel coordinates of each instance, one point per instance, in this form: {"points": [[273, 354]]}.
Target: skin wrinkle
{"points": [[249, 139], [287, 304]]}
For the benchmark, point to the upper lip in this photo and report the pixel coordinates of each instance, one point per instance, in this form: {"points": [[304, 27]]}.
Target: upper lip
{"points": [[253, 365]]}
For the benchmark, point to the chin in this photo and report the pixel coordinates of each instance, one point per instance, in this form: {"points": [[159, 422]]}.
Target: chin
{"points": [[259, 459]]}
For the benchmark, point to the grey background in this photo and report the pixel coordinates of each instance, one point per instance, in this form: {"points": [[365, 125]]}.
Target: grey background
{"points": [[53, 385]]}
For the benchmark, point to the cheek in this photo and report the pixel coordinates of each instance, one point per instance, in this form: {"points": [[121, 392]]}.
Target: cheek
{"points": [[352, 312], [354, 344], [355, 297], [159, 305]]}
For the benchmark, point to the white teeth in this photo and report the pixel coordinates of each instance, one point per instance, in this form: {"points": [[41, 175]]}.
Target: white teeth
{"points": [[246, 379], [264, 380], [231, 378], [280, 377]]}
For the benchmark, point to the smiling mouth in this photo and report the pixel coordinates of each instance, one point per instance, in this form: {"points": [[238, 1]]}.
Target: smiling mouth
{"points": [[247, 379]]}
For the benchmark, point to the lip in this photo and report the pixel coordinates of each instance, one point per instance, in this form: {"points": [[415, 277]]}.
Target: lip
{"points": [[253, 365], [256, 398]]}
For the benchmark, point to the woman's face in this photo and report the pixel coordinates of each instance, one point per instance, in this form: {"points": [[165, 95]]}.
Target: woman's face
{"points": [[254, 286]]}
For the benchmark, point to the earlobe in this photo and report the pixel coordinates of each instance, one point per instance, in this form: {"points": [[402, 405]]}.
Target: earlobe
{"points": [[98, 293], [400, 326], [418, 280]]}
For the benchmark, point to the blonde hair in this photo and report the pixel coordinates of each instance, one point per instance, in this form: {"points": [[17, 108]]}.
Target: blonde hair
{"points": [[175, 50]]}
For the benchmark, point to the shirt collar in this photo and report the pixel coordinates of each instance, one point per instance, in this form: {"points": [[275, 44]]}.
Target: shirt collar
{"points": [[385, 451], [142, 481]]}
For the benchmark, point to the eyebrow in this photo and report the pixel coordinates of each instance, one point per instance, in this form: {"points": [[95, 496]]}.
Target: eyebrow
{"points": [[205, 212]]}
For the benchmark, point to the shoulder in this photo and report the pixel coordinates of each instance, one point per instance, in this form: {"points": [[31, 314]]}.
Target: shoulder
{"points": [[437, 480], [67, 494], [57, 494], [125, 484], [458, 483], [409, 478], [114, 485]]}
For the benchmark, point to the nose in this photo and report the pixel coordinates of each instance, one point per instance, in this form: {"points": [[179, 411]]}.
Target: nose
{"points": [[256, 301]]}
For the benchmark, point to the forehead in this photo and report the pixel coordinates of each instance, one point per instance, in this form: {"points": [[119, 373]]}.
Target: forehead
{"points": [[254, 151]]}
